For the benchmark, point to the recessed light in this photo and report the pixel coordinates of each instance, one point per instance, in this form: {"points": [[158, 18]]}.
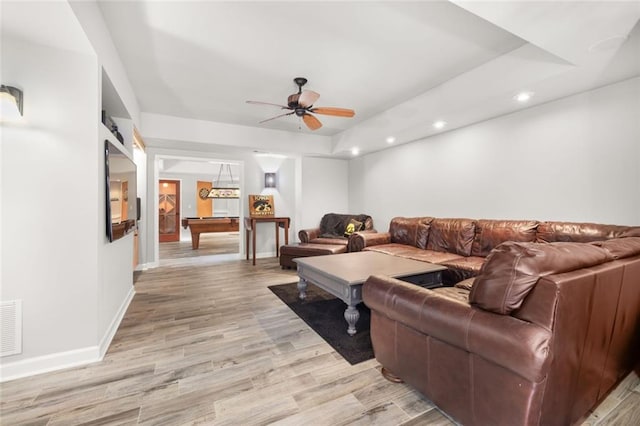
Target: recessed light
{"points": [[523, 96], [355, 150], [439, 124], [391, 139]]}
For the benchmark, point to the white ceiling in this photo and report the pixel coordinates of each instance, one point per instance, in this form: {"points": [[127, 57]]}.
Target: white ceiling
{"points": [[203, 60], [399, 65]]}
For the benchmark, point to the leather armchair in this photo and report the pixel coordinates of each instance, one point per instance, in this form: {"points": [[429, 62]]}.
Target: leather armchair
{"points": [[332, 228]]}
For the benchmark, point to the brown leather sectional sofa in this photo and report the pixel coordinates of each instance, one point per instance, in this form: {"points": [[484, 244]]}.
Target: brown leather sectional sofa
{"points": [[543, 324]]}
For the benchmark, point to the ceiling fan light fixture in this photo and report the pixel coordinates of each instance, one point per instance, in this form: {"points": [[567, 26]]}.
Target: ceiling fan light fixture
{"points": [[301, 104]]}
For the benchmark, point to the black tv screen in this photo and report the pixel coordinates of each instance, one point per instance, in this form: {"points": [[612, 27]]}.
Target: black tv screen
{"points": [[121, 191]]}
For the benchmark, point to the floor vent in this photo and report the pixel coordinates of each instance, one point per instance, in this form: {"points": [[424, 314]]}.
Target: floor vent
{"points": [[10, 327]]}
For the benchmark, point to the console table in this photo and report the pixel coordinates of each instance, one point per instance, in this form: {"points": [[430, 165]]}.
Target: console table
{"points": [[250, 228]]}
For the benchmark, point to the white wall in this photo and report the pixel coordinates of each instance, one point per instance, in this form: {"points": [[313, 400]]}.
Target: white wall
{"points": [[50, 213], [115, 260], [325, 189], [74, 284], [575, 159], [140, 159], [90, 18]]}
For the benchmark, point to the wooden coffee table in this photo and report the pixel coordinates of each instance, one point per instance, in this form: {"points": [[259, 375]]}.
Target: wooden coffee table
{"points": [[344, 274]]}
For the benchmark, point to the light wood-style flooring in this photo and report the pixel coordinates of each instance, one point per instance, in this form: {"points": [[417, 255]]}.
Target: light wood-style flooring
{"points": [[214, 243], [210, 344]]}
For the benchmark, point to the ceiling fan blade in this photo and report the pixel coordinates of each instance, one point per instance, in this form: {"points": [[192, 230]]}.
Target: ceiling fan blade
{"points": [[277, 116], [307, 98], [338, 112], [268, 103], [311, 122]]}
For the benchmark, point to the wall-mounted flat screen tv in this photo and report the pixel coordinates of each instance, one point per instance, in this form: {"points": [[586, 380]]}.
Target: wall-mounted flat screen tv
{"points": [[121, 192]]}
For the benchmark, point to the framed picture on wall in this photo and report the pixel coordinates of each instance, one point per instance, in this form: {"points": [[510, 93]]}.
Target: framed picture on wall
{"points": [[261, 206]]}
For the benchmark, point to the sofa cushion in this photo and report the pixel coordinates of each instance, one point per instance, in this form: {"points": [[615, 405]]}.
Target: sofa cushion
{"points": [[352, 226], [491, 233], [470, 263], [454, 293], [330, 240], [551, 232], [466, 284], [414, 253], [451, 235], [620, 248], [412, 231], [512, 269]]}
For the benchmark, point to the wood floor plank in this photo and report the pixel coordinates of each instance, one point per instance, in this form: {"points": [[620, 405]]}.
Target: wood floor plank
{"points": [[108, 410], [625, 414], [337, 411], [430, 418], [210, 244], [206, 342]]}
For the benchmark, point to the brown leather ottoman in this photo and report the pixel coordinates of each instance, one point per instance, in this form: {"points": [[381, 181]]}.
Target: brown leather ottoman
{"points": [[291, 251]]}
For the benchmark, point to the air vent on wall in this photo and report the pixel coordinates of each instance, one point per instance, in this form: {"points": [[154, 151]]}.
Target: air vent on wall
{"points": [[10, 327]]}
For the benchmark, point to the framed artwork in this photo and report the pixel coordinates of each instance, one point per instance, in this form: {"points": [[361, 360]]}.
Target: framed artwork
{"points": [[261, 206]]}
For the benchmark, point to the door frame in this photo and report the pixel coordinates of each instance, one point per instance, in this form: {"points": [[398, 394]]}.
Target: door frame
{"points": [[154, 169], [176, 236]]}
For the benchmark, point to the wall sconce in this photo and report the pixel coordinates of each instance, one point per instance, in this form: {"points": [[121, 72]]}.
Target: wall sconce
{"points": [[269, 180], [10, 102]]}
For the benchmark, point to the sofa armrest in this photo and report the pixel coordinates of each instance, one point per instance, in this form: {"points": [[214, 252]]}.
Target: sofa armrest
{"points": [[514, 344], [355, 242], [307, 235], [361, 239]]}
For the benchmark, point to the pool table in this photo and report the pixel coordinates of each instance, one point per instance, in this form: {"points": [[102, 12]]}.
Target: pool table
{"points": [[199, 225]]}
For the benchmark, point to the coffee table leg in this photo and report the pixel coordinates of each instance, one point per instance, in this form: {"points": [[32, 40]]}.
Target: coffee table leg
{"points": [[351, 314], [302, 288]]}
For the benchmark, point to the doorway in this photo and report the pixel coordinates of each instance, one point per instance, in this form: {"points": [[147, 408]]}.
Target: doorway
{"points": [[169, 210], [197, 177]]}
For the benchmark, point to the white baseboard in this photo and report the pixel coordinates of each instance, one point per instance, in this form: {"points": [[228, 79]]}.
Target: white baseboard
{"points": [[115, 323], [74, 358], [262, 255], [47, 363], [148, 265]]}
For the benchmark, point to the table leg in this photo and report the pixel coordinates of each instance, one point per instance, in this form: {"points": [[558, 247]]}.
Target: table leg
{"points": [[246, 245], [302, 288], [352, 315], [253, 243], [277, 239], [195, 240], [286, 232]]}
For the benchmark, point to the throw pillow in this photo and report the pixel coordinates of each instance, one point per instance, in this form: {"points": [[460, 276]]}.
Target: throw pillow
{"points": [[352, 226], [512, 269]]}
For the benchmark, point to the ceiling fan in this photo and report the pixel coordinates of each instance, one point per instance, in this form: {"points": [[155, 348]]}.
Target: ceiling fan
{"points": [[301, 104]]}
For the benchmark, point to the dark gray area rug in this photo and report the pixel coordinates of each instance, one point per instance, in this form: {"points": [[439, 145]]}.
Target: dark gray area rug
{"points": [[324, 313]]}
